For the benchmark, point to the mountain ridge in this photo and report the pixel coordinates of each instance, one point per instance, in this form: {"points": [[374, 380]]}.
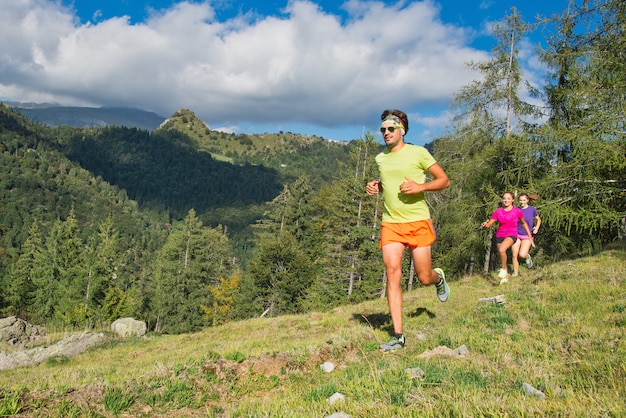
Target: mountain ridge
{"points": [[85, 117]]}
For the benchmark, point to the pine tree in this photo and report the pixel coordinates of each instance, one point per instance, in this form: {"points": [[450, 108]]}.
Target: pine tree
{"points": [[21, 291], [497, 93], [193, 258], [289, 212], [103, 264], [281, 272], [42, 275], [584, 189], [66, 251]]}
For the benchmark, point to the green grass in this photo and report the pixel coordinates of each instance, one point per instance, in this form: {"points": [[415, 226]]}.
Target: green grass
{"points": [[116, 400], [560, 330], [10, 404]]}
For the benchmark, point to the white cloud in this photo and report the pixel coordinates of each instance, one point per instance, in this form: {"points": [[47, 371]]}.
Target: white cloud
{"points": [[227, 129], [432, 121], [307, 66]]}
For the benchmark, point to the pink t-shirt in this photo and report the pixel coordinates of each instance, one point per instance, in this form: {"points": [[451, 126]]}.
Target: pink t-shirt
{"points": [[507, 221]]}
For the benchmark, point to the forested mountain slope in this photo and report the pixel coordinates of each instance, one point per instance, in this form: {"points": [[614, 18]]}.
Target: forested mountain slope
{"points": [[39, 181], [91, 216], [164, 170]]}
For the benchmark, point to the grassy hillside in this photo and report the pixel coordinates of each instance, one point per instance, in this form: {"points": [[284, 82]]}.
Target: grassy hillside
{"points": [[560, 331], [291, 154], [222, 143]]}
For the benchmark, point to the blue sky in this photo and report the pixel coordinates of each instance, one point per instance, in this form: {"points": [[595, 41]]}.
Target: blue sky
{"points": [[325, 68]]}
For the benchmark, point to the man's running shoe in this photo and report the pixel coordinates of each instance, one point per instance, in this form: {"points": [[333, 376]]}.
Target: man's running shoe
{"points": [[393, 344], [529, 262], [443, 291]]}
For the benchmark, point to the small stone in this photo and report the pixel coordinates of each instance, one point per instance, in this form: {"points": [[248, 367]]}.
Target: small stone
{"points": [[339, 415], [530, 390], [462, 351], [494, 300], [337, 397], [415, 373], [327, 366]]}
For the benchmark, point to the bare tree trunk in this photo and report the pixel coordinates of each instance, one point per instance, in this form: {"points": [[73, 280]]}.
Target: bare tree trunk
{"points": [[488, 254], [282, 216], [186, 261], [509, 101], [375, 223], [356, 165], [384, 292], [411, 275], [351, 280], [88, 289], [364, 163]]}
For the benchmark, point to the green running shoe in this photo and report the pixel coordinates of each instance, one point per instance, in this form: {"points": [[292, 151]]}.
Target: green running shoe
{"points": [[393, 344], [443, 291]]}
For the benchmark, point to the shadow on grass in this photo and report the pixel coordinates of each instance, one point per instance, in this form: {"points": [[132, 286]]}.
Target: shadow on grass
{"points": [[383, 320], [422, 311], [376, 320]]}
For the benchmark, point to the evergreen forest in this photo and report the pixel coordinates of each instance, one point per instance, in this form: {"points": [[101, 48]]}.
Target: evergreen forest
{"points": [[184, 227]]}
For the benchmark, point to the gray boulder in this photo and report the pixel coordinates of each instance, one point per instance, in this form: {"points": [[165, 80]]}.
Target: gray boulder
{"points": [[16, 331], [129, 327], [68, 347]]}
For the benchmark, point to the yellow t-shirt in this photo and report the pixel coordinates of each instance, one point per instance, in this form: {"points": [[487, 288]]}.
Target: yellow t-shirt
{"points": [[411, 161]]}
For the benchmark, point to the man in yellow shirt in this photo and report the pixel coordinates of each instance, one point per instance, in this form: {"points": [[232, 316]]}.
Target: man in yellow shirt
{"points": [[406, 218]]}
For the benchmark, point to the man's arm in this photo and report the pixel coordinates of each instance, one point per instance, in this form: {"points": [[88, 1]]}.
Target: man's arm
{"points": [[440, 181]]}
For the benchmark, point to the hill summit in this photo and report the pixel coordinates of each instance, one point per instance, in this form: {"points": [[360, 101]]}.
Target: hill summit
{"points": [[185, 120]]}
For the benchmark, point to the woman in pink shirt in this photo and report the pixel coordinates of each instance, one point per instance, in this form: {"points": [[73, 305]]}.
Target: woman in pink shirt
{"points": [[507, 217]]}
